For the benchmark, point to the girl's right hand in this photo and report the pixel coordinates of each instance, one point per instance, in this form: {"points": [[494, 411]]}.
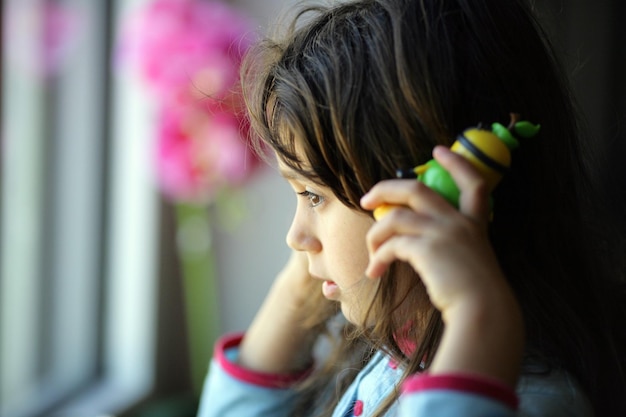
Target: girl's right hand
{"points": [[277, 341], [295, 275]]}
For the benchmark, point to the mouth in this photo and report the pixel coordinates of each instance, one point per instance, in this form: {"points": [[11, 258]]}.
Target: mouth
{"points": [[330, 290]]}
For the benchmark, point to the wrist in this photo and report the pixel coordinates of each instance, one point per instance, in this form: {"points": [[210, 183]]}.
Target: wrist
{"points": [[277, 341], [227, 356], [483, 335]]}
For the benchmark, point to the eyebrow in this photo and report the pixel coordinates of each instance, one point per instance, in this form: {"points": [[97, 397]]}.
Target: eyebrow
{"points": [[292, 175]]}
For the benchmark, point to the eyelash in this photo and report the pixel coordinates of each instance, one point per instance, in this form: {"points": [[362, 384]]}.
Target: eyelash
{"points": [[312, 196]]}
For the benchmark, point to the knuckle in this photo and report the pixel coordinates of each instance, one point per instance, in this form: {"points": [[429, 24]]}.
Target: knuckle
{"points": [[480, 187], [418, 191]]}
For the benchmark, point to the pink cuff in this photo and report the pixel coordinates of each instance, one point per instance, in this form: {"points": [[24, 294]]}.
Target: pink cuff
{"points": [[262, 379], [473, 384]]}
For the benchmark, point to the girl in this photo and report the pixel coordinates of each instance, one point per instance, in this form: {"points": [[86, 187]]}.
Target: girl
{"points": [[432, 310]]}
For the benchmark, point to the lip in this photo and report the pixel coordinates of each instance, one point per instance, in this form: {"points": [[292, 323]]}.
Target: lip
{"points": [[330, 290]]}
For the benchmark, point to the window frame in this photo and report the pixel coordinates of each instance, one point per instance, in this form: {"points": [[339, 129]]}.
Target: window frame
{"points": [[123, 215]]}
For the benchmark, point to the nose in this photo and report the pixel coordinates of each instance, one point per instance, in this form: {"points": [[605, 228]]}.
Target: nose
{"points": [[301, 236]]}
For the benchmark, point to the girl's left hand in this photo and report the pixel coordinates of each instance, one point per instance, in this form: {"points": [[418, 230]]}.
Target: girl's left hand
{"points": [[448, 248], [451, 252]]}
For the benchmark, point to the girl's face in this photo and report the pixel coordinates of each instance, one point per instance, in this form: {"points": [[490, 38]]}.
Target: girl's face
{"points": [[333, 237]]}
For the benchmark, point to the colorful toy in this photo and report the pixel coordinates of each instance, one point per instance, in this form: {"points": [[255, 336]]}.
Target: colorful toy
{"points": [[488, 151]]}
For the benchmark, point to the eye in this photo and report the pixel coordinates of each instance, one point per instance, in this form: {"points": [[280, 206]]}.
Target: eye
{"points": [[314, 199]]}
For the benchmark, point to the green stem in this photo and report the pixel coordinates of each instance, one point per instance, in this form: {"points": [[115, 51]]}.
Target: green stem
{"points": [[200, 287]]}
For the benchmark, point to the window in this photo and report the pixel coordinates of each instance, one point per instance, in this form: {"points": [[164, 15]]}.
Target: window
{"points": [[78, 216]]}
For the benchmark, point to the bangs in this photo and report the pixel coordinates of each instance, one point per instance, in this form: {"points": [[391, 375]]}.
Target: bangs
{"points": [[287, 137], [319, 103]]}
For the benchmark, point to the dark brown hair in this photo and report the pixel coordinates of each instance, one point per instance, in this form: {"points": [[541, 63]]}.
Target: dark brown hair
{"points": [[365, 87]]}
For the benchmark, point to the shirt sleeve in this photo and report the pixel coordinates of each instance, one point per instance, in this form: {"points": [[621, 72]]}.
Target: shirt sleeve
{"points": [[231, 390], [456, 395]]}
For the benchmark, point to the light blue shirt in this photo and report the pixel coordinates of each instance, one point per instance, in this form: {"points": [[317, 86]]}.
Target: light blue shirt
{"points": [[555, 395]]}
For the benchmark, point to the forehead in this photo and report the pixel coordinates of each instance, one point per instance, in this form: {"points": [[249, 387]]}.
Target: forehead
{"points": [[294, 163], [289, 171], [285, 170]]}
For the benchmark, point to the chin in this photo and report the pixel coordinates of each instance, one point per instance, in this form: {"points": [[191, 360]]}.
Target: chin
{"points": [[349, 314], [354, 315]]}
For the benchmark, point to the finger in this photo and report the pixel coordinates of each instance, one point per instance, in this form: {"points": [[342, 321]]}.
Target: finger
{"points": [[409, 193], [399, 221], [474, 199], [377, 195], [397, 248]]}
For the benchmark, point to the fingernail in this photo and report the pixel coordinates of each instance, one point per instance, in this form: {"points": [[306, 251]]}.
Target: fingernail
{"points": [[438, 149], [368, 272]]}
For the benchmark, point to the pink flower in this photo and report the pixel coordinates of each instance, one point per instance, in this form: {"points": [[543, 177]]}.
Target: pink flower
{"points": [[172, 41], [197, 154], [189, 53]]}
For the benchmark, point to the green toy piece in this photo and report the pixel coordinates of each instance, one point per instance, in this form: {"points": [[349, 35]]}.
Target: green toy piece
{"points": [[489, 151]]}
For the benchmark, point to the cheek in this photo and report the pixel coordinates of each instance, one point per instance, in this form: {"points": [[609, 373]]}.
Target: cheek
{"points": [[344, 244], [350, 256]]}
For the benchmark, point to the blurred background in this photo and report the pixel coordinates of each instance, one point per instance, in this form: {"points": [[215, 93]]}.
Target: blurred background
{"points": [[136, 226]]}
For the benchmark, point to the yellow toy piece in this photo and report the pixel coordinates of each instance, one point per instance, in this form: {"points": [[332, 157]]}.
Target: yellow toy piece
{"points": [[486, 152], [489, 151]]}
